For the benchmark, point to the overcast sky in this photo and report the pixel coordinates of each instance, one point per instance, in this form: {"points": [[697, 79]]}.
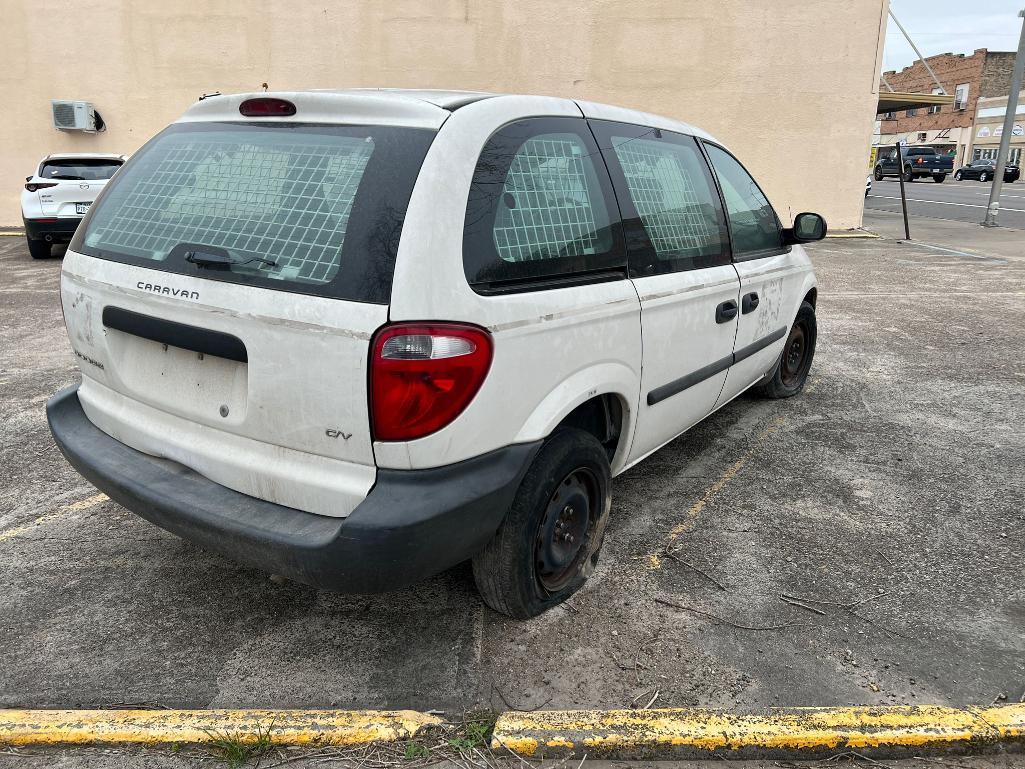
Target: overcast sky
{"points": [[957, 26]]}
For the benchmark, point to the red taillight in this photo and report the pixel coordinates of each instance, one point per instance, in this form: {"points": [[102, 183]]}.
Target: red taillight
{"points": [[422, 376], [920, 161], [39, 186], [266, 106]]}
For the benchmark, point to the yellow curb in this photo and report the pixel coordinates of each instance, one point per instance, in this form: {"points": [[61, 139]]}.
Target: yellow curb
{"points": [[193, 727], [778, 732], [852, 234]]}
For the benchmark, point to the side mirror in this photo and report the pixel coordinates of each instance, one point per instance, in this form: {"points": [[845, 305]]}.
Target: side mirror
{"points": [[808, 227]]}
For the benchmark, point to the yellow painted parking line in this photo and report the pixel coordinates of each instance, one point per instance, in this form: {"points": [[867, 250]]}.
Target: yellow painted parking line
{"points": [[687, 522], [852, 234], [12, 234], [194, 727], [796, 732], [74, 507]]}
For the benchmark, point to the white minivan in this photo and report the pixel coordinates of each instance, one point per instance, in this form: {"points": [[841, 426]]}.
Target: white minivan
{"points": [[358, 337]]}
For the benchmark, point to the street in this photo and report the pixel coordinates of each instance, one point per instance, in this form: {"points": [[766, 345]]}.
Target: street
{"points": [[963, 201]]}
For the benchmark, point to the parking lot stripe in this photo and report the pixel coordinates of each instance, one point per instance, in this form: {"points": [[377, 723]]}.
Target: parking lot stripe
{"points": [[74, 507], [195, 727], [886, 731], [683, 526]]}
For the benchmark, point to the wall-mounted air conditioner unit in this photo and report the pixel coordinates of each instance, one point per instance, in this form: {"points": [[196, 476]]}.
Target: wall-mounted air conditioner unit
{"points": [[73, 116]]}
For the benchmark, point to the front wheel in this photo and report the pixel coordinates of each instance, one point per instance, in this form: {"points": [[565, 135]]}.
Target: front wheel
{"points": [[983, 177], [548, 544], [877, 174], [958, 176], [938, 178], [791, 372]]}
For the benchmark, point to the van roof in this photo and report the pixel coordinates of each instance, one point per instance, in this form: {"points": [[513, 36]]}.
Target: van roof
{"points": [[400, 106]]}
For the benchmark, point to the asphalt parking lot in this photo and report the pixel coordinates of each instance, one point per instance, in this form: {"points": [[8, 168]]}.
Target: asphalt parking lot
{"points": [[886, 501], [964, 200]]}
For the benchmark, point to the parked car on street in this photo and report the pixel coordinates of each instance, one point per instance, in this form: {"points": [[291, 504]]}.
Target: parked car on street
{"points": [[984, 170], [358, 337], [58, 195], [915, 163]]}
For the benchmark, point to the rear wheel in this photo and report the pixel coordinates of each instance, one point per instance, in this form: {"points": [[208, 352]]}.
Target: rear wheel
{"points": [[909, 175], [983, 177], [938, 178], [877, 174], [548, 543], [38, 249], [791, 372], [958, 175]]}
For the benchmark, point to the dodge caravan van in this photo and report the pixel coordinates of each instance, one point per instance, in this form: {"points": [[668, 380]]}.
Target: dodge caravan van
{"points": [[358, 337]]}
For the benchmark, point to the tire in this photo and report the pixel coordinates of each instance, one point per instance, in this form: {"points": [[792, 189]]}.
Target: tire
{"points": [[938, 178], [877, 174], [958, 176], [983, 177], [789, 376], [38, 249], [530, 566], [909, 175]]}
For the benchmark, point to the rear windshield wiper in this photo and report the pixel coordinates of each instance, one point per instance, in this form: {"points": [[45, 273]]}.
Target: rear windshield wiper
{"points": [[221, 259], [68, 177]]}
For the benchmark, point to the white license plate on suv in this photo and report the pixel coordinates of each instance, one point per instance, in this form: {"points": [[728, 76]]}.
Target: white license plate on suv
{"points": [[82, 208]]}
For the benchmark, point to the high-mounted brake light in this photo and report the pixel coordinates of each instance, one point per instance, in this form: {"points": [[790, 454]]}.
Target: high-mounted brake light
{"points": [[423, 376], [33, 186], [266, 106]]}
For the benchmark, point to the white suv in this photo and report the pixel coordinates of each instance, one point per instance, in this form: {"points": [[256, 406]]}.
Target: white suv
{"points": [[358, 337], [58, 195]]}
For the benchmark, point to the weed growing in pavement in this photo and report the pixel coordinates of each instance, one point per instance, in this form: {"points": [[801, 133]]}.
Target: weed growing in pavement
{"points": [[415, 750], [475, 731], [236, 750]]}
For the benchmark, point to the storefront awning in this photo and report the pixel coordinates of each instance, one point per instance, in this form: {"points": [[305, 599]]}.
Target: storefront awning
{"points": [[895, 101]]}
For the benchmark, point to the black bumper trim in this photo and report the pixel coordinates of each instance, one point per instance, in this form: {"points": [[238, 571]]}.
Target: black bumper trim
{"points": [[60, 231], [413, 524]]}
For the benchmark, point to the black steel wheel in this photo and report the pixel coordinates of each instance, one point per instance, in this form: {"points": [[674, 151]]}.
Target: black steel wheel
{"points": [[958, 176], [983, 177], [791, 372], [548, 544]]}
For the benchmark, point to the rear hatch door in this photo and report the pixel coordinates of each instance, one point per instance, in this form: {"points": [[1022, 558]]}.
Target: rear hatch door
{"points": [[77, 183], [223, 294]]}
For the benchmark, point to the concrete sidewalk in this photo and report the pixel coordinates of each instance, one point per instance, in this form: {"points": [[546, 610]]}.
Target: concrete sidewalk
{"points": [[994, 242]]}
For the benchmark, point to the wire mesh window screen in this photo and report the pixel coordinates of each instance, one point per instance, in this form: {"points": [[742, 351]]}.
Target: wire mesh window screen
{"points": [[285, 199], [551, 205], [671, 195]]}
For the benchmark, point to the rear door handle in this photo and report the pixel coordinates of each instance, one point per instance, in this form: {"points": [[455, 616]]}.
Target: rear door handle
{"points": [[749, 302], [726, 311]]}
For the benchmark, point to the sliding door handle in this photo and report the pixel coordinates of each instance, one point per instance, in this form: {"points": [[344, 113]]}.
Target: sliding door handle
{"points": [[726, 311], [749, 302]]}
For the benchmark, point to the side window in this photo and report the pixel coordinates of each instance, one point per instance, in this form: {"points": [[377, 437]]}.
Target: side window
{"points": [[669, 202], [753, 223], [540, 206]]}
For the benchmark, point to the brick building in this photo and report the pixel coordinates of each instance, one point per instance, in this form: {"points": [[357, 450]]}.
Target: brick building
{"points": [[947, 128]]}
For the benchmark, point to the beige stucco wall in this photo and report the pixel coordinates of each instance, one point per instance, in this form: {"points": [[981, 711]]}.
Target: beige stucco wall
{"points": [[790, 85]]}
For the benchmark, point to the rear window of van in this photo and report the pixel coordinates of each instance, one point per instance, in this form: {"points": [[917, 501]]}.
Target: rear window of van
{"points": [[310, 209]]}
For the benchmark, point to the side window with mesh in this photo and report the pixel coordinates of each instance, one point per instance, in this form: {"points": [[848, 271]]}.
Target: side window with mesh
{"points": [[670, 204], [540, 206]]}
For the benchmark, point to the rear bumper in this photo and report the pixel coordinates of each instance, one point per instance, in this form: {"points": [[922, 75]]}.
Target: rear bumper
{"points": [[58, 230], [412, 524]]}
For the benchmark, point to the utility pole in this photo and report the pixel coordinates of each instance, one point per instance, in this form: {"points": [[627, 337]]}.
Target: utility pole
{"points": [[1005, 139]]}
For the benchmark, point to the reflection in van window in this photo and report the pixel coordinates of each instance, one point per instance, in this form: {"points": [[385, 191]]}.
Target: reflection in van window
{"points": [[551, 205], [279, 202], [672, 195]]}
